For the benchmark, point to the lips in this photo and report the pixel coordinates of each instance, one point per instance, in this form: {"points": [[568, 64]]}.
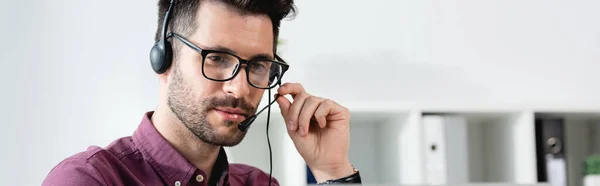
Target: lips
{"points": [[232, 114]]}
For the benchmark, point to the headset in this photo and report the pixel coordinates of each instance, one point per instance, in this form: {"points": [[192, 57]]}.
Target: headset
{"points": [[161, 56]]}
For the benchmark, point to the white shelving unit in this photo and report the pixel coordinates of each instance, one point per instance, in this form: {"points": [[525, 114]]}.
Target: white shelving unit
{"points": [[500, 147], [388, 147], [380, 147]]}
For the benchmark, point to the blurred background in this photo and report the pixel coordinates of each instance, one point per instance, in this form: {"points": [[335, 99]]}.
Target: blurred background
{"points": [[441, 91]]}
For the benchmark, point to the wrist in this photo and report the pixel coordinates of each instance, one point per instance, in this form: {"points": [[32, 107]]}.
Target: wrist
{"points": [[333, 172]]}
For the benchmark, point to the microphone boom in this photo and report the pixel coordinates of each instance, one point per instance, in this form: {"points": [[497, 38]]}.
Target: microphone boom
{"points": [[244, 125]]}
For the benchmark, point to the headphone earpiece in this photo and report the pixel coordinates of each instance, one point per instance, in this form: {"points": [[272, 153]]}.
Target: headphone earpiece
{"points": [[161, 56], [273, 77]]}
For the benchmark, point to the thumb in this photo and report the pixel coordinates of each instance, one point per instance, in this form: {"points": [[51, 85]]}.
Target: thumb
{"points": [[284, 105]]}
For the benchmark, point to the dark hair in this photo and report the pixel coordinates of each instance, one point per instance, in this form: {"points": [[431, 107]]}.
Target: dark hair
{"points": [[183, 15]]}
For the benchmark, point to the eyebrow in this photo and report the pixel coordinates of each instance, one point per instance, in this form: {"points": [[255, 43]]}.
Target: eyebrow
{"points": [[228, 50]]}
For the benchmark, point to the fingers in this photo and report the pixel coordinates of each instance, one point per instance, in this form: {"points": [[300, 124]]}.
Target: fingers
{"points": [[293, 89], [306, 114], [322, 111], [291, 110], [294, 111], [284, 106], [299, 113]]}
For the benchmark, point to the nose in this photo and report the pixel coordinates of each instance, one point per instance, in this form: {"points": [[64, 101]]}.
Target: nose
{"points": [[237, 87]]}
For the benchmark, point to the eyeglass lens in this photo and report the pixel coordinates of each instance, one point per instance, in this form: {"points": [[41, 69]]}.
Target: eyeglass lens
{"points": [[260, 73]]}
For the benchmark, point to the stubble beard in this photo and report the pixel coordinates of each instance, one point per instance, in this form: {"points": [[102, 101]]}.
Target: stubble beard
{"points": [[192, 112]]}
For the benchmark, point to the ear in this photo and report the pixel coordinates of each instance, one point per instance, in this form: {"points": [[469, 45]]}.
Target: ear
{"points": [[164, 77]]}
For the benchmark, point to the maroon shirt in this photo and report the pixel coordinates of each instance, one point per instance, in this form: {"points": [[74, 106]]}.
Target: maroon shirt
{"points": [[146, 158]]}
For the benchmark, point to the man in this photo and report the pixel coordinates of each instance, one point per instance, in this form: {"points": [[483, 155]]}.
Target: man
{"points": [[223, 59]]}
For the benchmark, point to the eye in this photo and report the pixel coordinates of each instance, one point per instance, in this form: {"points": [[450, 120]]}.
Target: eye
{"points": [[258, 68], [215, 58], [218, 58]]}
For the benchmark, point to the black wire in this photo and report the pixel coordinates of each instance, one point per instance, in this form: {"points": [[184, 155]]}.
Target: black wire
{"points": [[269, 141]]}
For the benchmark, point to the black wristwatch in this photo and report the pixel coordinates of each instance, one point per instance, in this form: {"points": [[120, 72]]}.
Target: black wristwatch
{"points": [[352, 179]]}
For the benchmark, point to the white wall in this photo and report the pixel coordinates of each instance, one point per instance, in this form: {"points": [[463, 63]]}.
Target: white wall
{"points": [[510, 53], [77, 72]]}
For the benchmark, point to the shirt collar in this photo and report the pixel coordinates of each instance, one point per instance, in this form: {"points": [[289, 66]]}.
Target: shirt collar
{"points": [[167, 161]]}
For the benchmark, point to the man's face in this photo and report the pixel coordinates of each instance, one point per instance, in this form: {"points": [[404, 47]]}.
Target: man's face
{"points": [[204, 106]]}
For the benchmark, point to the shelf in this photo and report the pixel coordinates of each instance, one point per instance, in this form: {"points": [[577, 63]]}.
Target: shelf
{"points": [[485, 147], [380, 145], [581, 139], [494, 146]]}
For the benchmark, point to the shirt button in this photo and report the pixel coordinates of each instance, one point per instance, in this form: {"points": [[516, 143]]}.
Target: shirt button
{"points": [[177, 183], [199, 178]]}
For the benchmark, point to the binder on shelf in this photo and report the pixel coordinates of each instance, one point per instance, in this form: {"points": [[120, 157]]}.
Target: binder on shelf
{"points": [[550, 147], [445, 149]]}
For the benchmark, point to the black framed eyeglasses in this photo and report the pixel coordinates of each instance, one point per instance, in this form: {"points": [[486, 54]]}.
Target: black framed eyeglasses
{"points": [[224, 66]]}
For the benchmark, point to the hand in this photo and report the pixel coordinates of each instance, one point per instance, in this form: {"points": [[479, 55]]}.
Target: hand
{"points": [[320, 130]]}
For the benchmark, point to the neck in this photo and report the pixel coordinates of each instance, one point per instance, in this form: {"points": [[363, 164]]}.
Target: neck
{"points": [[199, 153]]}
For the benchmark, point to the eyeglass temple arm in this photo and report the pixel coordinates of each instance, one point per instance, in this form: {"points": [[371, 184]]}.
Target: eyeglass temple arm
{"points": [[185, 41], [279, 58]]}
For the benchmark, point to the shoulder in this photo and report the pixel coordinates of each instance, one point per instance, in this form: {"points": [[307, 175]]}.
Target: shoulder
{"points": [[89, 167], [249, 173], [76, 170]]}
